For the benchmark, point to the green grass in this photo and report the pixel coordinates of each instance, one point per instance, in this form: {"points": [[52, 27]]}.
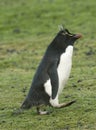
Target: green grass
{"points": [[26, 29]]}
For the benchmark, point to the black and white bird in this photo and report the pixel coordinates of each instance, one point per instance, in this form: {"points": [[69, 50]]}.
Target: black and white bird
{"points": [[52, 73]]}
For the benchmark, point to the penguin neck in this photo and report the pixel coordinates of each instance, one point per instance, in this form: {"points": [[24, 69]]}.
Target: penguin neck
{"points": [[69, 50]]}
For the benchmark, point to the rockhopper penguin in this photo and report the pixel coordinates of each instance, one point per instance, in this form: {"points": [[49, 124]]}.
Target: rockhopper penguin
{"points": [[52, 73]]}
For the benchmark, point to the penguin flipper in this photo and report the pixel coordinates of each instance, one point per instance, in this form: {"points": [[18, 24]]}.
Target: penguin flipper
{"points": [[54, 79]]}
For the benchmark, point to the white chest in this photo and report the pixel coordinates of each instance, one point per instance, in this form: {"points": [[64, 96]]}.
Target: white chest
{"points": [[64, 67], [63, 70]]}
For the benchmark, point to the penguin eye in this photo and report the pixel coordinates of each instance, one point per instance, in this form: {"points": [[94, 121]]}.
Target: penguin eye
{"points": [[66, 33]]}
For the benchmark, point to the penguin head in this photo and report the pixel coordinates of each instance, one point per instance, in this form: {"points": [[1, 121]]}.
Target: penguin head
{"points": [[64, 38], [67, 38]]}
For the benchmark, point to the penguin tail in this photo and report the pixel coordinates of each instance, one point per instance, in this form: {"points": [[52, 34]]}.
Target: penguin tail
{"points": [[26, 104]]}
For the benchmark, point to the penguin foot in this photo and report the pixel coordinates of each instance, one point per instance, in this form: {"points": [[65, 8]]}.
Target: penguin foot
{"points": [[39, 112], [43, 113], [57, 105], [65, 104]]}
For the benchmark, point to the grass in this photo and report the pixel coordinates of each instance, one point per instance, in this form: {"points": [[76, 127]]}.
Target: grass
{"points": [[26, 29]]}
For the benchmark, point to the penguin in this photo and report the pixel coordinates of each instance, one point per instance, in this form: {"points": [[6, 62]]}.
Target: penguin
{"points": [[52, 73]]}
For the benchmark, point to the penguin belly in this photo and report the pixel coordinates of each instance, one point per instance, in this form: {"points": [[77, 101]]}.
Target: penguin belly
{"points": [[63, 70]]}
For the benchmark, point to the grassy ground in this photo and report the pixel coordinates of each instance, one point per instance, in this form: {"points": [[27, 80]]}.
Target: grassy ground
{"points": [[26, 29]]}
